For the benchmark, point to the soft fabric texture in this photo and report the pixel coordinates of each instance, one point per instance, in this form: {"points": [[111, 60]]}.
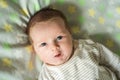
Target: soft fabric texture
{"points": [[91, 61]]}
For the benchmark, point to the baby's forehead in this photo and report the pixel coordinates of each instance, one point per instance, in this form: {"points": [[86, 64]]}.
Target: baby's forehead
{"points": [[56, 20]]}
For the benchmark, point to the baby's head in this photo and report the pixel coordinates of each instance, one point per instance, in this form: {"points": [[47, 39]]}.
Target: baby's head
{"points": [[50, 36]]}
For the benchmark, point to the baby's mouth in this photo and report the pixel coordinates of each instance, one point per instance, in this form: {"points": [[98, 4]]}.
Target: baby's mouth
{"points": [[58, 55]]}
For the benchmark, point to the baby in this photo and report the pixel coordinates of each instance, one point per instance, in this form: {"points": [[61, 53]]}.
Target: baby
{"points": [[65, 58]]}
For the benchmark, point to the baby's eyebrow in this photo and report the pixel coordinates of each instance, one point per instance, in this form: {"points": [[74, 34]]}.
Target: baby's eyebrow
{"points": [[63, 31]]}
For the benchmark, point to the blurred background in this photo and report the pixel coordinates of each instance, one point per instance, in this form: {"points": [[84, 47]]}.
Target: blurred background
{"points": [[98, 20]]}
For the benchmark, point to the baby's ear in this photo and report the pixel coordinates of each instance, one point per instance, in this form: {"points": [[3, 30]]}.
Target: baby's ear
{"points": [[75, 43]]}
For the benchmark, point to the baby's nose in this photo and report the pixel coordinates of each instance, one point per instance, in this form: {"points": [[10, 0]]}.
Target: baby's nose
{"points": [[54, 46]]}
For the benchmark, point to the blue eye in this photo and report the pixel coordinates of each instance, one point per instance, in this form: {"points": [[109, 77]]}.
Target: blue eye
{"points": [[59, 37], [43, 44]]}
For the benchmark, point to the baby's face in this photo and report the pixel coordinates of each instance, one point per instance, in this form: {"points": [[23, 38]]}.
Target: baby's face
{"points": [[52, 42]]}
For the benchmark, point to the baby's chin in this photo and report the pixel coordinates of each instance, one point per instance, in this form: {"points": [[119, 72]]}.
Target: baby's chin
{"points": [[55, 64]]}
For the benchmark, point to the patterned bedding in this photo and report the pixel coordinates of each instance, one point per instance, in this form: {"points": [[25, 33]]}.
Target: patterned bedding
{"points": [[95, 19]]}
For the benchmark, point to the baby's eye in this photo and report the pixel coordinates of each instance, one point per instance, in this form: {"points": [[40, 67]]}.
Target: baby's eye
{"points": [[43, 44], [59, 37]]}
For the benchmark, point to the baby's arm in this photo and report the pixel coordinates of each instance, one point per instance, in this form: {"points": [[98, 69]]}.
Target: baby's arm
{"points": [[110, 59]]}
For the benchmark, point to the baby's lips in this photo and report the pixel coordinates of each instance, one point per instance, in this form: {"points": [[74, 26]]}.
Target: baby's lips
{"points": [[58, 55]]}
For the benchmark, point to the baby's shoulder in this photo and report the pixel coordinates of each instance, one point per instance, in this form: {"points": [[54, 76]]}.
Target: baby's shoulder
{"points": [[85, 41], [87, 44], [86, 47]]}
